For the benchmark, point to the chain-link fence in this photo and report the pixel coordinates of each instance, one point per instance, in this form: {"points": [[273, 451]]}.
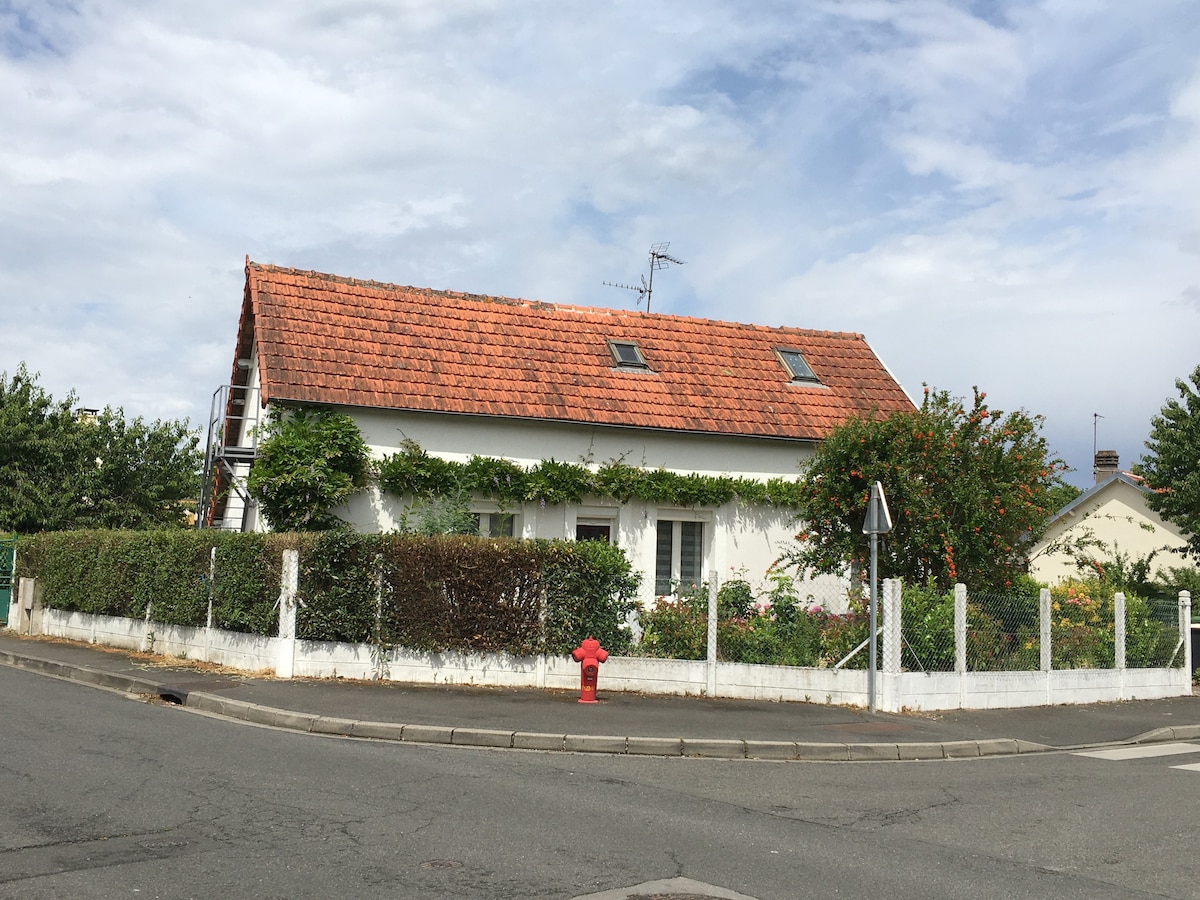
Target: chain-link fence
{"points": [[824, 623], [1152, 636], [784, 621], [927, 629], [1003, 633]]}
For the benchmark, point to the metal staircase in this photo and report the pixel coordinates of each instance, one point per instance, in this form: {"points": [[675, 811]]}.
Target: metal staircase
{"points": [[232, 447]]}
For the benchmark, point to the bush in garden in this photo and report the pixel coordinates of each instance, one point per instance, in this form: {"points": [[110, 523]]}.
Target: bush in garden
{"points": [[735, 600], [841, 633], [1082, 634], [1152, 634], [927, 624], [590, 589], [674, 629]]}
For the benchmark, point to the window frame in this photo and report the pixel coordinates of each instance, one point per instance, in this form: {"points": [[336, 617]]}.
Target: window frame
{"points": [[807, 376], [676, 578], [639, 360], [496, 520]]}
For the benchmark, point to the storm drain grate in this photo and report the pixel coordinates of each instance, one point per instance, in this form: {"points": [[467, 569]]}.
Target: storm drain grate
{"points": [[441, 864]]}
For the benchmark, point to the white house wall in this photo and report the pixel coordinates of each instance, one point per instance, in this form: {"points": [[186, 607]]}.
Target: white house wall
{"points": [[527, 442], [739, 540]]}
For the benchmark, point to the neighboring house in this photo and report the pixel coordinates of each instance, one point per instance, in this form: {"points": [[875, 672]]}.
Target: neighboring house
{"points": [[1111, 517], [465, 374]]}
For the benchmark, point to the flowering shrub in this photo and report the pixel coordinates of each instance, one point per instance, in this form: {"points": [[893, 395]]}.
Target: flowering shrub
{"points": [[675, 629], [1082, 630], [1003, 630], [775, 629]]}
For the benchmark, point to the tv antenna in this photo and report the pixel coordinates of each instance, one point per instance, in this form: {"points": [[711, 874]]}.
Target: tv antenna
{"points": [[659, 259]]}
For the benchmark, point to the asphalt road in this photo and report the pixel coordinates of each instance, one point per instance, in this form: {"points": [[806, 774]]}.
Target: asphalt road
{"points": [[106, 796]]}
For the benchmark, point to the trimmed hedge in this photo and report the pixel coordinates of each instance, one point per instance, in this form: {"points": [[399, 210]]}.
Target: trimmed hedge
{"points": [[424, 593]]}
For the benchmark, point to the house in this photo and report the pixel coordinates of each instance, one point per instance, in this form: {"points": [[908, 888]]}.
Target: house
{"points": [[465, 374], [1110, 517]]}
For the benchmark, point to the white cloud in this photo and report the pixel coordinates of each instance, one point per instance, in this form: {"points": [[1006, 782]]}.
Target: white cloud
{"points": [[1007, 201]]}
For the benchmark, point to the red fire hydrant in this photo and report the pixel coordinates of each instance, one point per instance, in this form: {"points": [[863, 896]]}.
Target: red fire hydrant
{"points": [[589, 655]]}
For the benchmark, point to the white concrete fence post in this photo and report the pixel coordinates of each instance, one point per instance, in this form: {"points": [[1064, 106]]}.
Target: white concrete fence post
{"points": [[711, 681], [285, 662], [893, 635], [29, 602], [1119, 630], [960, 628], [1185, 630], [1044, 624]]}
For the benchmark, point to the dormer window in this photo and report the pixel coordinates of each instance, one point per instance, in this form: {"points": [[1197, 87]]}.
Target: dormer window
{"points": [[627, 355], [794, 362]]}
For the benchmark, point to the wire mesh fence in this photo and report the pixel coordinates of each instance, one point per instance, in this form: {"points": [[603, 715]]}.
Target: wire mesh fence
{"points": [[1152, 635], [1003, 633], [1082, 627], [927, 629], [819, 623], [826, 624]]}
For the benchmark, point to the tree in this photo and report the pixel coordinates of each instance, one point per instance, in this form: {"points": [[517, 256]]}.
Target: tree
{"points": [[968, 490], [310, 459], [60, 470], [1172, 467]]}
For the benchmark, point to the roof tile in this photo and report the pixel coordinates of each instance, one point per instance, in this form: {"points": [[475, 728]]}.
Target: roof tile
{"points": [[328, 339]]}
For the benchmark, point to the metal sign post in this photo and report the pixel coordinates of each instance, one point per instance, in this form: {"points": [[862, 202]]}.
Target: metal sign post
{"points": [[879, 521]]}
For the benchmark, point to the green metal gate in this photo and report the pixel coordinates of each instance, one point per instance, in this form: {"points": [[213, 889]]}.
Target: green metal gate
{"points": [[8, 555]]}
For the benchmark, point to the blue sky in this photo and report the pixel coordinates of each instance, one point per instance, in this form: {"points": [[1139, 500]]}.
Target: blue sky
{"points": [[996, 194]]}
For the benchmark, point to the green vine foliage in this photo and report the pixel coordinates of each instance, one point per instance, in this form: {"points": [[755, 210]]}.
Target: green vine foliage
{"points": [[310, 459], [413, 472]]}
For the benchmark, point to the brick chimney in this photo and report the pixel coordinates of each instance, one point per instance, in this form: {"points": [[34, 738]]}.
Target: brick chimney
{"points": [[1107, 463]]}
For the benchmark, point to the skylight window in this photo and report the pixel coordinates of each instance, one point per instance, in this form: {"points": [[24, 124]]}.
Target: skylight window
{"points": [[627, 355], [794, 362]]}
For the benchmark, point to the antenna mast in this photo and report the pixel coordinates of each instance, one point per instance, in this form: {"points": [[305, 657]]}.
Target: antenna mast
{"points": [[659, 259]]}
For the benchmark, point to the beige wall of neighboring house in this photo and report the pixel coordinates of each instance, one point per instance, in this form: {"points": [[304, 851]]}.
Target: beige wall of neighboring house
{"points": [[1114, 513]]}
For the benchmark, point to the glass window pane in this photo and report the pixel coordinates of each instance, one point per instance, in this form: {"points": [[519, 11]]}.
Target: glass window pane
{"points": [[662, 558], [796, 365], [593, 532]]}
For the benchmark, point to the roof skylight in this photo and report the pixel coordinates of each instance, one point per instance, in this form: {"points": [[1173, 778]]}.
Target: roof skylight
{"points": [[793, 360], [627, 355]]}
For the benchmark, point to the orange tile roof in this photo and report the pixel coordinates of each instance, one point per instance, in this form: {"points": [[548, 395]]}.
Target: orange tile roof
{"points": [[332, 340]]}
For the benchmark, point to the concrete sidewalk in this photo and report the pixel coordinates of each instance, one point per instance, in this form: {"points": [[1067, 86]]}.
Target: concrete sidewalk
{"points": [[619, 723]]}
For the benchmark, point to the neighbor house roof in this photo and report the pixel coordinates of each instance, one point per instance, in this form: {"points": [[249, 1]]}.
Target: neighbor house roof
{"points": [[324, 339]]}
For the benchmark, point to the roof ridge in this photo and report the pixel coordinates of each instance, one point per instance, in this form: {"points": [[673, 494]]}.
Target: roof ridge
{"points": [[547, 305], [324, 338]]}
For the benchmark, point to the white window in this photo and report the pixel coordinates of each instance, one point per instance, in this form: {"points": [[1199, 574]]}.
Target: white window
{"points": [[593, 531], [495, 524], [679, 556]]}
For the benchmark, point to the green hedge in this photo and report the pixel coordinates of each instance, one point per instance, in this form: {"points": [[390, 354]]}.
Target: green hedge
{"points": [[465, 593], [424, 593]]}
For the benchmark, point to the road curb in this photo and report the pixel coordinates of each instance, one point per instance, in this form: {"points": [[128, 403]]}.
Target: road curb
{"points": [[696, 748]]}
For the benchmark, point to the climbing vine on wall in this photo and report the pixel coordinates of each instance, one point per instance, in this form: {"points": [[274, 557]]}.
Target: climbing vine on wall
{"points": [[412, 471], [310, 459]]}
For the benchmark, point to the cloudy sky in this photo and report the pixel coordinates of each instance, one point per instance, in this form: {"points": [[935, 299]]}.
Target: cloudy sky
{"points": [[1001, 194]]}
